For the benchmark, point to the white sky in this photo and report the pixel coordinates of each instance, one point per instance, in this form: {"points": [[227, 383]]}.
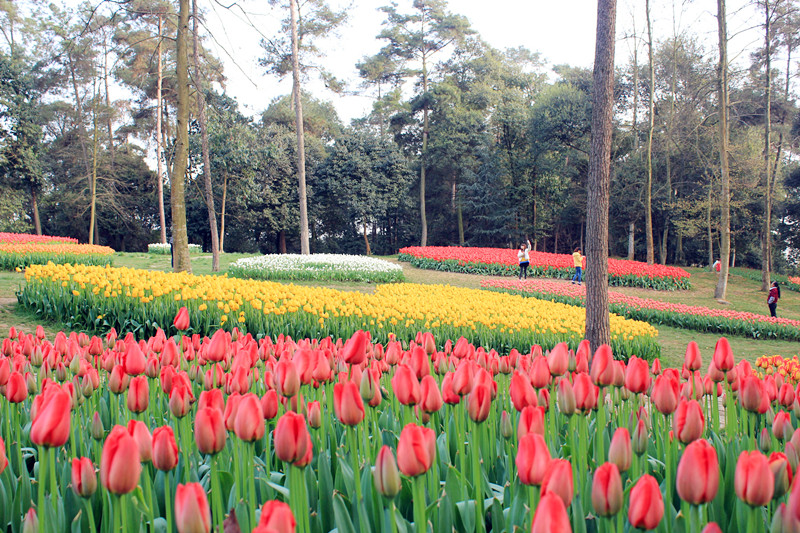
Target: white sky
{"points": [[563, 32]]}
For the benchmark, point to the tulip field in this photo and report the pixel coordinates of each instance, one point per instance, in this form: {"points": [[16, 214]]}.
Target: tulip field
{"points": [[504, 262], [233, 433], [96, 299], [657, 312], [19, 250]]}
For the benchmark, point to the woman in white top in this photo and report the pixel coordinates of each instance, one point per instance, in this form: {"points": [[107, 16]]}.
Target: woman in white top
{"points": [[524, 259]]}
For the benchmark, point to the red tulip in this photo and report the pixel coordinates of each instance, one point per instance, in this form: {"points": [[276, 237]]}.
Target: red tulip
{"points": [[276, 517], [292, 440], [558, 359], [84, 478], [586, 393], [540, 372], [314, 415], [217, 346], [712, 527], [698, 473], [269, 404], [50, 426], [637, 375], [181, 321], [689, 422], [165, 449], [782, 426], [347, 403], [385, 474], [752, 394], [416, 450], [287, 378], [692, 359], [118, 380], [779, 464], [355, 349], [533, 459], [31, 522], [786, 396], [723, 355], [448, 394], [646, 506], [463, 378], [521, 391], [603, 366], [620, 452], [249, 423], [144, 440], [551, 516], [120, 466], [655, 368], [754, 481], [192, 514], [3, 458], [607, 490], [479, 403], [138, 394], [665, 394], [531, 420], [565, 398], [16, 388], [209, 431], [558, 480], [406, 386], [431, 398]]}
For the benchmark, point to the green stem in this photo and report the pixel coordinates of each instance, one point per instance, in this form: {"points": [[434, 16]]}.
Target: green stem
{"points": [[420, 521], [752, 523], [124, 512], [216, 496], [358, 503], [53, 480], [476, 476], [115, 498], [42, 476], [168, 501], [90, 515], [533, 495], [252, 479]]}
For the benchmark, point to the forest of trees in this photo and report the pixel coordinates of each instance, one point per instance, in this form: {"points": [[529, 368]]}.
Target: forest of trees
{"points": [[465, 144]]}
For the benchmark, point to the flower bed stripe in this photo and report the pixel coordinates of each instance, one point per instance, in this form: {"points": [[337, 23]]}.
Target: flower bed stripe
{"points": [[503, 262], [318, 267], [683, 316], [23, 254]]}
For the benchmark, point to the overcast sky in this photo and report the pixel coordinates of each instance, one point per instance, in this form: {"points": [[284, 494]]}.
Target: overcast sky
{"points": [[562, 31]]}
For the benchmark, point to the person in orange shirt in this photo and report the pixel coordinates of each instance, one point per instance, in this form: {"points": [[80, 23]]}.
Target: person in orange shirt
{"points": [[577, 260]]}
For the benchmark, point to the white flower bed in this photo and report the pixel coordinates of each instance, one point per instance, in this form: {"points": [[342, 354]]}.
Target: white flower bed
{"points": [[326, 267], [164, 249]]}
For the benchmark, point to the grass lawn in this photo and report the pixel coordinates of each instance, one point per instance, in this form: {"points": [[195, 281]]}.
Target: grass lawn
{"points": [[743, 295]]}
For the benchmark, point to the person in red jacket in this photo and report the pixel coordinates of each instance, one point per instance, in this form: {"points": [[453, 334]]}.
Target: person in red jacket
{"points": [[773, 297]]}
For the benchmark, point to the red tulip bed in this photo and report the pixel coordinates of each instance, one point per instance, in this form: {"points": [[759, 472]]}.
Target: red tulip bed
{"points": [[232, 433], [19, 250], [705, 319], [503, 262]]}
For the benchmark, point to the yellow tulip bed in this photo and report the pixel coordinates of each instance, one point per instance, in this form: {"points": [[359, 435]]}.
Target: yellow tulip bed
{"points": [[97, 298]]}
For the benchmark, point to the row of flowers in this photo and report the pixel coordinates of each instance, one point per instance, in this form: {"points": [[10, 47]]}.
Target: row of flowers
{"points": [[787, 367], [230, 433], [504, 262], [317, 267], [98, 298], [27, 237], [166, 248], [21, 255], [705, 319], [786, 282]]}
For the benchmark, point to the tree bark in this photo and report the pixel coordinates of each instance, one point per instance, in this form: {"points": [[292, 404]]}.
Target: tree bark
{"points": [[631, 241], [93, 176], [162, 219], [648, 200], [180, 239], [423, 159], [366, 236], [37, 223], [305, 247], [201, 117], [725, 198], [222, 215], [598, 329], [709, 227], [766, 232]]}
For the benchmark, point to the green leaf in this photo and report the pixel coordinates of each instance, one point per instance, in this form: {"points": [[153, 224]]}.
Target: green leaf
{"points": [[342, 516]]}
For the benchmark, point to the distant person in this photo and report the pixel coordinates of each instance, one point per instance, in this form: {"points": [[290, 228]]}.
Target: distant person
{"points": [[524, 258], [772, 298], [577, 260], [717, 266]]}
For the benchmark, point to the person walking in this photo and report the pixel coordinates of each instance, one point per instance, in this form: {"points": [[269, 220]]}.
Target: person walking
{"points": [[577, 260], [773, 297], [524, 258]]}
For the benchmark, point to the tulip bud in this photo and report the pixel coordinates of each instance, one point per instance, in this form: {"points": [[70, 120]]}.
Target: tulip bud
{"points": [[754, 481], [782, 426], [550, 515], [276, 517], [98, 431], [711, 527], [84, 479], [385, 474], [697, 478], [619, 452], [640, 438], [314, 415], [565, 398], [368, 386], [31, 522], [3, 458], [192, 512], [607, 490], [646, 507], [764, 441], [782, 521], [779, 465], [506, 428]]}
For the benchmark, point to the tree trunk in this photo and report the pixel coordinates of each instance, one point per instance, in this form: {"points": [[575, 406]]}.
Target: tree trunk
{"points": [[93, 177], [201, 117], [710, 228], [282, 241], [725, 199], [111, 147], [305, 247], [631, 241], [180, 239], [162, 219], [648, 199], [366, 238], [423, 160], [598, 329], [37, 223], [222, 215], [766, 232]]}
